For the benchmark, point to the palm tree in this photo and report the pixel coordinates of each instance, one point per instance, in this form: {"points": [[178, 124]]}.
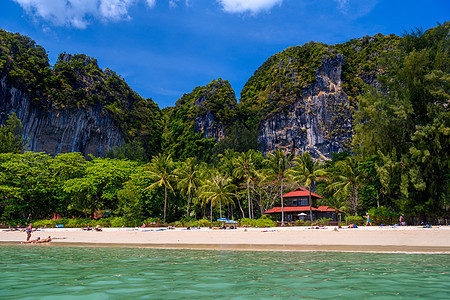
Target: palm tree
{"points": [[161, 170], [278, 163], [347, 181], [189, 178], [218, 189], [307, 171], [244, 166], [227, 166]]}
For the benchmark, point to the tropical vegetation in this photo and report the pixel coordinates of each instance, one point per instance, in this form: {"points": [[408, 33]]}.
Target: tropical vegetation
{"points": [[170, 171]]}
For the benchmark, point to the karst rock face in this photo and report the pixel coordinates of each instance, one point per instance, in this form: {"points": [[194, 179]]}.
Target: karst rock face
{"points": [[318, 122], [87, 130], [206, 123]]}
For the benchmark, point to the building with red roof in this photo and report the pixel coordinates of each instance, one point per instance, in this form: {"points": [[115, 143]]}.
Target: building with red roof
{"points": [[297, 207]]}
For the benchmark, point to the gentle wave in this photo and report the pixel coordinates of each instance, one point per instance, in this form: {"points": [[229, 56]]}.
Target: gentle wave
{"points": [[129, 273]]}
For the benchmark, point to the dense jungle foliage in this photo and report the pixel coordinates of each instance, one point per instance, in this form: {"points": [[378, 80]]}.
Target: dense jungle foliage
{"points": [[399, 161], [184, 136]]}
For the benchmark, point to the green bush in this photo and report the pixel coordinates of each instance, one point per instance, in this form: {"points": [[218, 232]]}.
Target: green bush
{"points": [[358, 220], [122, 221], [264, 221], [323, 221], [79, 223], [303, 223], [200, 223], [383, 215]]}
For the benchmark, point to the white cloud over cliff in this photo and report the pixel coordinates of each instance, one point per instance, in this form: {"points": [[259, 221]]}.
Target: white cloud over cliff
{"points": [[252, 6]]}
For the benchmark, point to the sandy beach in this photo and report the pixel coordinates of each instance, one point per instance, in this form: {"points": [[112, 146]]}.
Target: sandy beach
{"points": [[364, 239]]}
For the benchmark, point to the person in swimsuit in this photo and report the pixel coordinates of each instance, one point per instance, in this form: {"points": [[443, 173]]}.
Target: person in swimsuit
{"points": [[32, 241], [368, 220], [49, 239], [402, 220], [28, 230]]}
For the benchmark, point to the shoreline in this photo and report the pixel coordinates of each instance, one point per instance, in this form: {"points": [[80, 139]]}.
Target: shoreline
{"points": [[362, 239], [260, 247]]}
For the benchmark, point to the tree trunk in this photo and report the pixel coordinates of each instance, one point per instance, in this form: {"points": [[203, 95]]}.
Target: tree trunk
{"points": [[220, 208], [249, 201], [240, 207], [282, 204], [189, 201], [210, 214], [310, 205], [165, 202]]}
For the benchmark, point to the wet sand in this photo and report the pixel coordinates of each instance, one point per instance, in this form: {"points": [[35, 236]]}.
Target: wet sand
{"points": [[362, 239]]}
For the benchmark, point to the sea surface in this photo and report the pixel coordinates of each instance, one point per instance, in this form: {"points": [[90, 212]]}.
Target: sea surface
{"points": [[54, 272]]}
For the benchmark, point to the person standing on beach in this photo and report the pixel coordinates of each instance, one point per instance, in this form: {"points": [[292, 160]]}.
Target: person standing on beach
{"points": [[368, 220], [402, 221], [28, 230]]}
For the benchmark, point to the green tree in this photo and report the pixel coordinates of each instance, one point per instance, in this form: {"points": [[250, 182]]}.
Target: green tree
{"points": [[244, 167], [277, 165], [347, 182], [98, 188], [161, 171], [11, 140], [307, 171], [218, 190], [129, 201], [406, 123], [189, 178]]}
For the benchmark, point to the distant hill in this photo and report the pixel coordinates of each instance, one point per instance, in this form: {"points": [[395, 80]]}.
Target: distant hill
{"points": [[300, 99]]}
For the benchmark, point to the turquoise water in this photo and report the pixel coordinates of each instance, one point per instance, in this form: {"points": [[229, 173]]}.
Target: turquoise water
{"points": [[50, 272]]}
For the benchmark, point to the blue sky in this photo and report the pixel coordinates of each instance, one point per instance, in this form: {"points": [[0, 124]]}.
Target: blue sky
{"points": [[165, 48]]}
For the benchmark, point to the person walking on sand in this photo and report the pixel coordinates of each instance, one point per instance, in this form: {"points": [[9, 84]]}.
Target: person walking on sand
{"points": [[368, 220], [28, 230]]}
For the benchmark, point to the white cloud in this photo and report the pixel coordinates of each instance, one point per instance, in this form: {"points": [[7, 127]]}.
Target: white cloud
{"points": [[252, 6], [78, 13], [114, 9], [173, 3], [355, 9], [151, 3], [342, 4]]}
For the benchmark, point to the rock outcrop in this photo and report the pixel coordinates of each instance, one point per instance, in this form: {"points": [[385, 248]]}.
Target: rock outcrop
{"points": [[209, 126], [88, 130], [318, 122]]}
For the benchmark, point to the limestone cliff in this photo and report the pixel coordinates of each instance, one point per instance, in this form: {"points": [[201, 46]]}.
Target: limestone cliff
{"points": [[301, 99], [318, 121], [89, 130], [199, 119], [73, 105]]}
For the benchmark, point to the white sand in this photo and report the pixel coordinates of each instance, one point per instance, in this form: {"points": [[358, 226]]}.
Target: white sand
{"points": [[384, 239]]}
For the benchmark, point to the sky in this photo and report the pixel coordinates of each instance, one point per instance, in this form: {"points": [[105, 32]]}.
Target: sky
{"points": [[165, 48]]}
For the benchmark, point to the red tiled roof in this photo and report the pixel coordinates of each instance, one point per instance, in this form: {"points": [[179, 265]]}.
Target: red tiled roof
{"points": [[326, 208], [274, 210], [289, 209], [300, 192]]}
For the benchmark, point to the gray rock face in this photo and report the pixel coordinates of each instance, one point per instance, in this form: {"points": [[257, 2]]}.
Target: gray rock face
{"points": [[209, 127], [318, 122], [88, 130], [206, 123]]}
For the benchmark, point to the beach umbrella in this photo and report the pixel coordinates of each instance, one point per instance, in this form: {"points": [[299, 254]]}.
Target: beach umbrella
{"points": [[302, 214], [222, 220]]}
